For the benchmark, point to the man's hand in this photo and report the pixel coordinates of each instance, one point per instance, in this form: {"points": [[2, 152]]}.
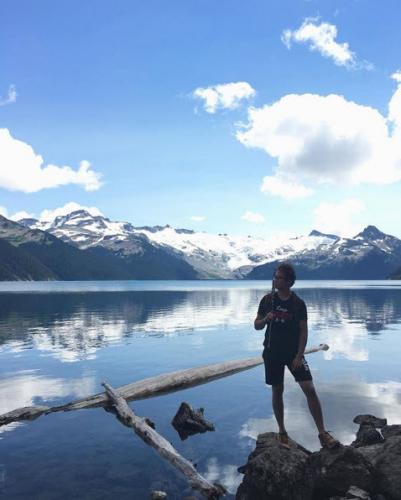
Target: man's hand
{"points": [[297, 362], [261, 321]]}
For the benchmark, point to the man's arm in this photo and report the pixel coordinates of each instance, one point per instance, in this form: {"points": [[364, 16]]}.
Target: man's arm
{"points": [[303, 339], [263, 317], [261, 321]]}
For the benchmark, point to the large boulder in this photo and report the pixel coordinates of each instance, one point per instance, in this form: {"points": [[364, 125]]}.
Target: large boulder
{"points": [[334, 471], [370, 468], [366, 436], [275, 472], [391, 430], [386, 460]]}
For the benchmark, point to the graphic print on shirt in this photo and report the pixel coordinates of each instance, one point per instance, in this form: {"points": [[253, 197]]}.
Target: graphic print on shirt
{"points": [[281, 314]]}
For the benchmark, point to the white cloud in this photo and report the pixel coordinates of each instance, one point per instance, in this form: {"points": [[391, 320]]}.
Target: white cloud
{"points": [[224, 96], [322, 38], [337, 218], [394, 107], [284, 187], [21, 169], [198, 218], [17, 216], [253, 217], [397, 76], [326, 139], [11, 96], [48, 215], [22, 215]]}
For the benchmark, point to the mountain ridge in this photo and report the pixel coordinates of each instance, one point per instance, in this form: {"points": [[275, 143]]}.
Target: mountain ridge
{"points": [[370, 254]]}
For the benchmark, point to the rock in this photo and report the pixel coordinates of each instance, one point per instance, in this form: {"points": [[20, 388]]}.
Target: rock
{"points": [[375, 422], [274, 472], [386, 459], [391, 430], [369, 469], [158, 495], [188, 421], [334, 471], [355, 492], [366, 436]]}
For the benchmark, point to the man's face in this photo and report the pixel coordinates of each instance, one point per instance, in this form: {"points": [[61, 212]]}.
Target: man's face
{"points": [[279, 281]]}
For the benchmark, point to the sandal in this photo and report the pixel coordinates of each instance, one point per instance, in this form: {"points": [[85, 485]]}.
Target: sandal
{"points": [[328, 441], [283, 439]]}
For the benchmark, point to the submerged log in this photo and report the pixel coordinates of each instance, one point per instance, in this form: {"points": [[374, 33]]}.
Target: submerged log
{"points": [[162, 446], [188, 421], [154, 386]]}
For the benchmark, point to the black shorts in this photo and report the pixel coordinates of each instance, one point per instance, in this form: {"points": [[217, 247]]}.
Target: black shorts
{"points": [[274, 369]]}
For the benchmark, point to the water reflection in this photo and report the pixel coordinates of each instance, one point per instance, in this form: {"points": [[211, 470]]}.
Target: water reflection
{"points": [[227, 474], [74, 326], [341, 401], [55, 347], [28, 388], [375, 309]]}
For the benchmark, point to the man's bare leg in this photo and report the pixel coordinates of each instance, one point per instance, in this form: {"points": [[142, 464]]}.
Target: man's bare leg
{"points": [[278, 406], [315, 407], [325, 438]]}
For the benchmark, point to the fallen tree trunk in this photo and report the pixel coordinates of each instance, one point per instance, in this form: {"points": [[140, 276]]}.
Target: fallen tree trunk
{"points": [[161, 445], [154, 386], [161, 384]]}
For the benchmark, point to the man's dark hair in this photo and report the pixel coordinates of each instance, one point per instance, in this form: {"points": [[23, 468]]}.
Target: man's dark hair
{"points": [[289, 272]]}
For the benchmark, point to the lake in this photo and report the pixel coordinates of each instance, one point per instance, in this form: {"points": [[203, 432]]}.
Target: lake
{"points": [[60, 340]]}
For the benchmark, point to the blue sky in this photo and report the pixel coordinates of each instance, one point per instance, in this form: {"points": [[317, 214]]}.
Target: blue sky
{"points": [[251, 117]]}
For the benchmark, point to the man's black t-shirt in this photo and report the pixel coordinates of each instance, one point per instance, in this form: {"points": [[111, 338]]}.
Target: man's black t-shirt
{"points": [[282, 338]]}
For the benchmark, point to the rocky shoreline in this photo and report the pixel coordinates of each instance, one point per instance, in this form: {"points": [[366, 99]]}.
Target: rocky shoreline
{"points": [[369, 468]]}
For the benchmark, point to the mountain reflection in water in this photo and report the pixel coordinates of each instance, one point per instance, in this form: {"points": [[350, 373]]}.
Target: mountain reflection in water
{"points": [[59, 341], [74, 326]]}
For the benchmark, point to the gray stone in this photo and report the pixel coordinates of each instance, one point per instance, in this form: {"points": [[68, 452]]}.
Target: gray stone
{"points": [[391, 430], [274, 472], [158, 495], [370, 469], [366, 436], [387, 463], [335, 471], [355, 492], [376, 422]]}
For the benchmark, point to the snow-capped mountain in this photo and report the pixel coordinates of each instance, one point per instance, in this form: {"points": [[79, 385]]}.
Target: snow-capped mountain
{"points": [[370, 254], [37, 254], [211, 255]]}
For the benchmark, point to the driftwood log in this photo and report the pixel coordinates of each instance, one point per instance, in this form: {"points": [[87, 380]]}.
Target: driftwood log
{"points": [[146, 388], [154, 386], [161, 445]]}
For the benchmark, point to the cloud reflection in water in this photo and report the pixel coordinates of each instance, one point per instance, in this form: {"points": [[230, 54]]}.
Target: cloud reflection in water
{"points": [[341, 402], [73, 327]]}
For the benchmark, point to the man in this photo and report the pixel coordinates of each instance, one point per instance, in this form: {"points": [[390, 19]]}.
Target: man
{"points": [[284, 315]]}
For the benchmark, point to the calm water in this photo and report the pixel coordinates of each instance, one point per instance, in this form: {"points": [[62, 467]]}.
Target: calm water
{"points": [[58, 341]]}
